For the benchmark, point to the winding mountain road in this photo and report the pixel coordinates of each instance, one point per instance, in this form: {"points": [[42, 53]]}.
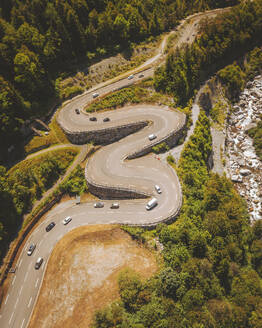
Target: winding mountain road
{"points": [[107, 168]]}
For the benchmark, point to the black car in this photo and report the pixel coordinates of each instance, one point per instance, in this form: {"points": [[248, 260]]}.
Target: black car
{"points": [[50, 226], [77, 111], [93, 118], [106, 119]]}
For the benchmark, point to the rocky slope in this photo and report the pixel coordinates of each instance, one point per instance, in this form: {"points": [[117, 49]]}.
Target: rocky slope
{"points": [[243, 165]]}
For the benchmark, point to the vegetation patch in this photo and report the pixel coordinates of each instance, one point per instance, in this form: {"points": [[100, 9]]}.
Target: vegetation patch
{"points": [[218, 113], [22, 185], [30, 178], [55, 136], [160, 148], [75, 184], [130, 95], [256, 134]]}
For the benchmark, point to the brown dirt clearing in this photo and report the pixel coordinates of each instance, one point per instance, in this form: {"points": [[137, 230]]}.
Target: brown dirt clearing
{"points": [[81, 275]]}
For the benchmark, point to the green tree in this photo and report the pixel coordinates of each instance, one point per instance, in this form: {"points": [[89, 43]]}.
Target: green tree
{"points": [[129, 288], [29, 73]]}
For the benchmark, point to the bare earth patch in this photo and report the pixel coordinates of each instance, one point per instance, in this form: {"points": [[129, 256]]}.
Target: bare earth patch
{"points": [[81, 275]]}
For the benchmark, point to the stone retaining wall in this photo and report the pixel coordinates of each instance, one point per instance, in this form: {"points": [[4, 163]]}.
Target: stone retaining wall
{"points": [[104, 136], [110, 192]]}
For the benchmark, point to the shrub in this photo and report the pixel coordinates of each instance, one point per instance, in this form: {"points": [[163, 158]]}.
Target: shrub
{"points": [[160, 148]]}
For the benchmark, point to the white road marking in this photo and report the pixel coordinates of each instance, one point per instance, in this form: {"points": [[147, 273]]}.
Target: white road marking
{"points": [[16, 302], [20, 262], [40, 243], [6, 298], [11, 318], [20, 290], [22, 323], [29, 303], [13, 280], [36, 282], [26, 276]]}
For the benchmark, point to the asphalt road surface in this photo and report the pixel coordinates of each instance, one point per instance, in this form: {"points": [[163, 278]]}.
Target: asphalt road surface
{"points": [[108, 166]]}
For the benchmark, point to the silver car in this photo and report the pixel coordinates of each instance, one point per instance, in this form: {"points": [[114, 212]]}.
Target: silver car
{"points": [[31, 249], [38, 263], [67, 220], [98, 205]]}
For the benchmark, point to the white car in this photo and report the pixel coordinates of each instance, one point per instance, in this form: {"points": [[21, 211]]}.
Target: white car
{"points": [[151, 204], [158, 189], [67, 220], [152, 137], [94, 95], [130, 77], [114, 206]]}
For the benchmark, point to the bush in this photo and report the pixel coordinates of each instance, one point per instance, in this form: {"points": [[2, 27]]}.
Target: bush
{"points": [[71, 92], [160, 148], [75, 184], [29, 179], [256, 134]]}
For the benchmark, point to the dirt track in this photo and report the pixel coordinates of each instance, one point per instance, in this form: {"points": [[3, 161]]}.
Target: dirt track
{"points": [[81, 276]]}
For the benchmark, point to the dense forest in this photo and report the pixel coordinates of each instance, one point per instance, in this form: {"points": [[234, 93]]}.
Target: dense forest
{"points": [[221, 40], [41, 38], [211, 277]]}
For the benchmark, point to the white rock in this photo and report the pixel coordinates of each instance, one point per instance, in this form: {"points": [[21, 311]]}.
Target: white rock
{"points": [[244, 172]]}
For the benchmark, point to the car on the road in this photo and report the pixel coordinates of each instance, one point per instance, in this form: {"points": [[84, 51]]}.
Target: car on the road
{"points": [[98, 205], [67, 220], [31, 249], [152, 137], [130, 77], [77, 111], [151, 204], [93, 118], [140, 75], [50, 226], [158, 189], [38, 263], [106, 119], [114, 206], [96, 94]]}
